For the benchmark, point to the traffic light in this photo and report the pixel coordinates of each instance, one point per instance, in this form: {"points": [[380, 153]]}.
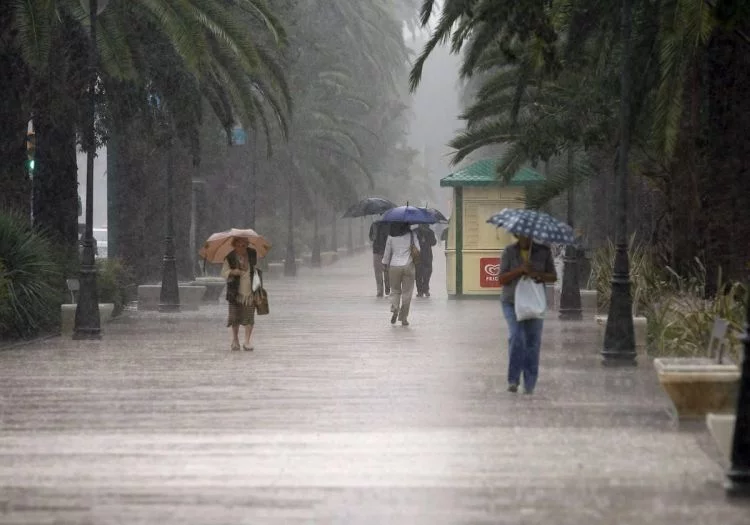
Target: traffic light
{"points": [[30, 152]]}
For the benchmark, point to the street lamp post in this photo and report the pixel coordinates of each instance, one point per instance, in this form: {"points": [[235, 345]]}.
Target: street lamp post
{"points": [[169, 300], [570, 295], [619, 337], [87, 323], [738, 476]]}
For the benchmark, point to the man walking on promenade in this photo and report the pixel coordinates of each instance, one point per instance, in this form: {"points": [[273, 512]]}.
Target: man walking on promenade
{"points": [[424, 269], [378, 237]]}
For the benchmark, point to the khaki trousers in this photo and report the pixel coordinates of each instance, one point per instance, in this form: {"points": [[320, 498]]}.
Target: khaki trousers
{"points": [[381, 275], [402, 288]]}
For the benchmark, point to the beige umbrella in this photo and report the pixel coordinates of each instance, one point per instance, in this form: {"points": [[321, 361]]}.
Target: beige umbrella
{"points": [[218, 245]]}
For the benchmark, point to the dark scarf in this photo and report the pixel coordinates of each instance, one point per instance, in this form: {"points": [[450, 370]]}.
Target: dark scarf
{"points": [[233, 284]]}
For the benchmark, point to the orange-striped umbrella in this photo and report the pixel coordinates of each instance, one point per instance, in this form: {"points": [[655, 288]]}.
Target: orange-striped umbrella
{"points": [[218, 245]]}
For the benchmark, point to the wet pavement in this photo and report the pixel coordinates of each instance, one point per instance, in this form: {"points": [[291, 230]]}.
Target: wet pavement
{"points": [[339, 417]]}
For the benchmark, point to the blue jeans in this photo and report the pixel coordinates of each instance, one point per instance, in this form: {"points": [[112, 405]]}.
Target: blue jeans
{"points": [[523, 348]]}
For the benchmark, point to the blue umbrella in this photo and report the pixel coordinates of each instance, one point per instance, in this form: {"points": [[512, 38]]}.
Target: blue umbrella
{"points": [[408, 214], [534, 224]]}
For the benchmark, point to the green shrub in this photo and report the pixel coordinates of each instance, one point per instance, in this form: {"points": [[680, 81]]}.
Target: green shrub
{"points": [[647, 279], [679, 316], [112, 282], [30, 279], [681, 323]]}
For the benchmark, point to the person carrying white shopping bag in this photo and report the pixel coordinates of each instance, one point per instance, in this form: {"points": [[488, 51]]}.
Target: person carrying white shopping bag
{"points": [[526, 266]]}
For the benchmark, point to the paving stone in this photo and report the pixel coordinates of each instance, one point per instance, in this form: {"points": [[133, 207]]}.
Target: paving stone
{"points": [[338, 417]]}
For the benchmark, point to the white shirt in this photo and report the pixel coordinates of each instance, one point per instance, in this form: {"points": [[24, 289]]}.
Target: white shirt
{"points": [[397, 249]]}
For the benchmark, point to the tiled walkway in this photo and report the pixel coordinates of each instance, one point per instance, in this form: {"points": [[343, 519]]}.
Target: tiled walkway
{"points": [[338, 417]]}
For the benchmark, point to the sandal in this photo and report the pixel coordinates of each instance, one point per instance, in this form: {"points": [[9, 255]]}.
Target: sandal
{"points": [[235, 346], [247, 348]]}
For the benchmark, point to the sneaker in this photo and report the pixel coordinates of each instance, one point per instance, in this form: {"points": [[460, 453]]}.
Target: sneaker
{"points": [[394, 317], [419, 295], [404, 323], [379, 295], [513, 387], [427, 294], [528, 392]]}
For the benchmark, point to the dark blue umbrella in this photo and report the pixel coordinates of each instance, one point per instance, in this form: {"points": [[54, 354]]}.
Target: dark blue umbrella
{"points": [[534, 224], [437, 213], [409, 214], [369, 206]]}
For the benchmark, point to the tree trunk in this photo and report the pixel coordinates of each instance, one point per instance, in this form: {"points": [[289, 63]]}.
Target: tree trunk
{"points": [[315, 259], [14, 115], [727, 197], [334, 233], [290, 264], [56, 176]]}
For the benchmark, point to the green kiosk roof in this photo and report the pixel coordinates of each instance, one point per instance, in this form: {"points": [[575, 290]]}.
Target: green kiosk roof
{"points": [[484, 173]]}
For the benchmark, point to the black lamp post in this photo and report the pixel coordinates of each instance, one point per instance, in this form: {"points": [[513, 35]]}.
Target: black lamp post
{"points": [[169, 299], [619, 337], [570, 295], [738, 477], [87, 323]]}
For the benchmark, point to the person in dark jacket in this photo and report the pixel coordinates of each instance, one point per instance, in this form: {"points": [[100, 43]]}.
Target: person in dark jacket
{"points": [[424, 268], [378, 237], [524, 258]]}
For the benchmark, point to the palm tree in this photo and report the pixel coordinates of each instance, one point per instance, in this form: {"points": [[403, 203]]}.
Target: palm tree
{"points": [[220, 60]]}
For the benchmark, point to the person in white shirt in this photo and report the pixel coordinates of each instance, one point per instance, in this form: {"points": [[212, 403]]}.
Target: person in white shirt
{"points": [[401, 269]]}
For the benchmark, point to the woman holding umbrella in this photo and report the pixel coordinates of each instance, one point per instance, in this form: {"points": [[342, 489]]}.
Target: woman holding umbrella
{"points": [[520, 260], [238, 270], [401, 255], [401, 249], [238, 251]]}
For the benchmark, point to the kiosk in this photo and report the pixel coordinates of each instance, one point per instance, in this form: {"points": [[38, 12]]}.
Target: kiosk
{"points": [[473, 247]]}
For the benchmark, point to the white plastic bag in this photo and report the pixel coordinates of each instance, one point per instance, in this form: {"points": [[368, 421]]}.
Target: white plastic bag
{"points": [[256, 280], [531, 300]]}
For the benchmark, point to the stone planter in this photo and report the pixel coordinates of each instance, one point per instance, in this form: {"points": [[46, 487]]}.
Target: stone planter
{"points": [[698, 385], [589, 306], [276, 268], [149, 296], [68, 316], [328, 258], [588, 303], [639, 325], [721, 427], [214, 287]]}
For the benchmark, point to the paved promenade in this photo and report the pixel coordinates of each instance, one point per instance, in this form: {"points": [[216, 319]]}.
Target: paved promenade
{"points": [[340, 418]]}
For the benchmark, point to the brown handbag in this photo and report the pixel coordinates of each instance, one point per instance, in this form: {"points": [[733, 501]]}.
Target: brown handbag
{"points": [[260, 298]]}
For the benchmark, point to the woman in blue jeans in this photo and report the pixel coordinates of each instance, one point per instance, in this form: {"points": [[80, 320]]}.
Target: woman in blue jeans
{"points": [[524, 258]]}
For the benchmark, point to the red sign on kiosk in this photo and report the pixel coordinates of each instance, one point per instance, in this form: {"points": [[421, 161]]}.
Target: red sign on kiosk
{"points": [[489, 272]]}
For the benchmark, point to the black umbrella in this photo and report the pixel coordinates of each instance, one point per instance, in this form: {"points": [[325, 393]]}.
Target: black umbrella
{"points": [[439, 217], [369, 206]]}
